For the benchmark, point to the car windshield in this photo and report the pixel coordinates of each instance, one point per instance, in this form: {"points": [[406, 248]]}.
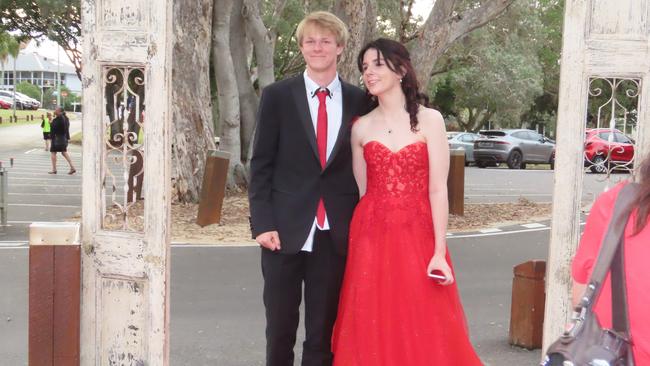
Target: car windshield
{"points": [[451, 135]]}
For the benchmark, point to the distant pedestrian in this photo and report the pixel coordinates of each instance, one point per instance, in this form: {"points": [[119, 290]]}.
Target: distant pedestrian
{"points": [[45, 126], [60, 133]]}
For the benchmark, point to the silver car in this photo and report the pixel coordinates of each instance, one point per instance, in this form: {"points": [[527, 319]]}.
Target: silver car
{"points": [[513, 147], [463, 141]]}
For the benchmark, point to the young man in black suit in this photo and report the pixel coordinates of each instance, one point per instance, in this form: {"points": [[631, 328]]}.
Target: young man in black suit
{"points": [[302, 193]]}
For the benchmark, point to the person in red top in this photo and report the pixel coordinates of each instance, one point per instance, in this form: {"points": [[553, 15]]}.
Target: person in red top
{"points": [[637, 270]]}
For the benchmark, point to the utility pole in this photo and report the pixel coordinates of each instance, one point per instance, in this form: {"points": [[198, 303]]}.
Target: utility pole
{"points": [[58, 76], [15, 84]]}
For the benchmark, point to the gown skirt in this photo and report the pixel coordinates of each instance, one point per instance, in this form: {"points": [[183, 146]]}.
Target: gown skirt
{"points": [[390, 313]]}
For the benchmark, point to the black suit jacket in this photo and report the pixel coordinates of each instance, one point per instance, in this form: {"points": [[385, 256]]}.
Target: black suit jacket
{"points": [[286, 176]]}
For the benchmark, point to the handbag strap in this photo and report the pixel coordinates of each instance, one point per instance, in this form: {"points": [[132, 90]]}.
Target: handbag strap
{"points": [[620, 320], [608, 250]]}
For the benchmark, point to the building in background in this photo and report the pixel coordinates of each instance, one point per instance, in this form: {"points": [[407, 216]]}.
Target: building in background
{"points": [[40, 71]]}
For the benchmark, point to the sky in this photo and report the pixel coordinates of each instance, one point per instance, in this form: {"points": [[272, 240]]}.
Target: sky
{"points": [[48, 48]]}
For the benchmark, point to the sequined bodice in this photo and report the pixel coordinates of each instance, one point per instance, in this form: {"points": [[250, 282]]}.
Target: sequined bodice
{"points": [[398, 174]]}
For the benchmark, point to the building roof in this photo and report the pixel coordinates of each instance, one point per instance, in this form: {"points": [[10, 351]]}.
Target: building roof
{"points": [[32, 61]]}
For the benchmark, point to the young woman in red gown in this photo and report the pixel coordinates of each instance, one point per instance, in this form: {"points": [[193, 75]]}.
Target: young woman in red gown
{"points": [[391, 313]]}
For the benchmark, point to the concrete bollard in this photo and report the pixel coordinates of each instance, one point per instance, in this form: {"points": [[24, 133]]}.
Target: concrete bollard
{"points": [[456, 182], [54, 293], [527, 308], [213, 188]]}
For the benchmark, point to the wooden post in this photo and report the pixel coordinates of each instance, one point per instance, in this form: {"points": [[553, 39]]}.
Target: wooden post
{"points": [[213, 188], [527, 306], [456, 182], [54, 287]]}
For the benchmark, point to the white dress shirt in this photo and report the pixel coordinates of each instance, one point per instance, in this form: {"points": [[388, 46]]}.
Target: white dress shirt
{"points": [[334, 105]]}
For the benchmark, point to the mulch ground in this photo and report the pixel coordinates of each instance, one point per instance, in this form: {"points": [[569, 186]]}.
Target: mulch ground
{"points": [[234, 226]]}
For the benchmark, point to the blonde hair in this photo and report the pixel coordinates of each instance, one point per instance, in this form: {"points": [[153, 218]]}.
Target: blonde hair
{"points": [[324, 20]]}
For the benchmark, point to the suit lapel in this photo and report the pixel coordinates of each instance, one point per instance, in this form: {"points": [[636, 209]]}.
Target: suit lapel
{"points": [[346, 115], [302, 105]]}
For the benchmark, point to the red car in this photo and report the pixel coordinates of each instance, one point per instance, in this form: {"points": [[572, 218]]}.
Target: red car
{"points": [[606, 148], [5, 104]]}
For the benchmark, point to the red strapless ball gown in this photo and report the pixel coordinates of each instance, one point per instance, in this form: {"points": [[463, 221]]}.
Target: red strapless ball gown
{"points": [[390, 313]]}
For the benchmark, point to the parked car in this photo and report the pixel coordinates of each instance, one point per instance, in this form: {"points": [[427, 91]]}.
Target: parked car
{"points": [[34, 104], [21, 102], [6, 103], [606, 148], [464, 141], [515, 147]]}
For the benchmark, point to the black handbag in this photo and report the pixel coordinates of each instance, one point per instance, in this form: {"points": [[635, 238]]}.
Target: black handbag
{"points": [[585, 342]]}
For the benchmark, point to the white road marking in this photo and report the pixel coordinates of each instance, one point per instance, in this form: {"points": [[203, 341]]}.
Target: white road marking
{"points": [[243, 245], [38, 179], [533, 225], [492, 230], [51, 185], [510, 195], [32, 150], [37, 205], [13, 244], [52, 194]]}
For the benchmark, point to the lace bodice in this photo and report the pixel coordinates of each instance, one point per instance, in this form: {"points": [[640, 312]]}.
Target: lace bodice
{"points": [[397, 174]]}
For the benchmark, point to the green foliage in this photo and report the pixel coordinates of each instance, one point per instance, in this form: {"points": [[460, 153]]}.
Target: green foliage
{"points": [[29, 89], [49, 98], [58, 20], [495, 74], [9, 46]]}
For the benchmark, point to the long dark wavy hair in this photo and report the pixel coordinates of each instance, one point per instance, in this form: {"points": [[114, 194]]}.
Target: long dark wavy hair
{"points": [[643, 199], [398, 60]]}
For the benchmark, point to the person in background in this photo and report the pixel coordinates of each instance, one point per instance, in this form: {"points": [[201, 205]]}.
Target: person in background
{"points": [[45, 126], [60, 133], [637, 271]]}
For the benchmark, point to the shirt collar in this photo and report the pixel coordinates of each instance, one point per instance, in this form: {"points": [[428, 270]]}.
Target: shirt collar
{"points": [[334, 87]]}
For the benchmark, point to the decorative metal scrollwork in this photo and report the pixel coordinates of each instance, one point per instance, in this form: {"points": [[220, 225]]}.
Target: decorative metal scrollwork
{"points": [[123, 147], [611, 128]]}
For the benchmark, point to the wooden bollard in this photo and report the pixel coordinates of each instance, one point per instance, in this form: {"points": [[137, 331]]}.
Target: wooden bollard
{"points": [[213, 188], [456, 182], [54, 288], [527, 308]]}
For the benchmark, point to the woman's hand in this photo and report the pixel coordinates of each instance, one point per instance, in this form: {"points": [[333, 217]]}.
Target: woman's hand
{"points": [[438, 262]]}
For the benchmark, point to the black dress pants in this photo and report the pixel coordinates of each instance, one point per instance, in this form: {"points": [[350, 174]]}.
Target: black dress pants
{"points": [[321, 271]]}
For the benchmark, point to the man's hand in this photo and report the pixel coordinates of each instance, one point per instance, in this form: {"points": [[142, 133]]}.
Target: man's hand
{"points": [[269, 240]]}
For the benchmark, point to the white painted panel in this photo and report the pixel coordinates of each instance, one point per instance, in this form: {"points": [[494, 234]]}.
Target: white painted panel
{"points": [[616, 18], [123, 14], [122, 321]]}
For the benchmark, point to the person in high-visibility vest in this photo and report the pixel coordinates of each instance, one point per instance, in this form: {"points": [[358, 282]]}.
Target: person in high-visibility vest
{"points": [[45, 126]]}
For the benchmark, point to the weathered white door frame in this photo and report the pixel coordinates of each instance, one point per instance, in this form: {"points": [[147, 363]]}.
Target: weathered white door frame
{"points": [[125, 268], [601, 39]]}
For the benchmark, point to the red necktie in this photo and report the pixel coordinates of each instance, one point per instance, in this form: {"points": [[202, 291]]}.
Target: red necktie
{"points": [[321, 139]]}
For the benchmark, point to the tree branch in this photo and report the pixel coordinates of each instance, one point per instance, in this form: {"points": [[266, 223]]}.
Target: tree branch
{"points": [[405, 11], [262, 41], [476, 18]]}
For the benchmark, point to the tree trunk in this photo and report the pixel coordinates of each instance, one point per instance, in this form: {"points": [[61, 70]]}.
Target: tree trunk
{"points": [[248, 99], [263, 40], [443, 27], [191, 110], [350, 11], [228, 91]]}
